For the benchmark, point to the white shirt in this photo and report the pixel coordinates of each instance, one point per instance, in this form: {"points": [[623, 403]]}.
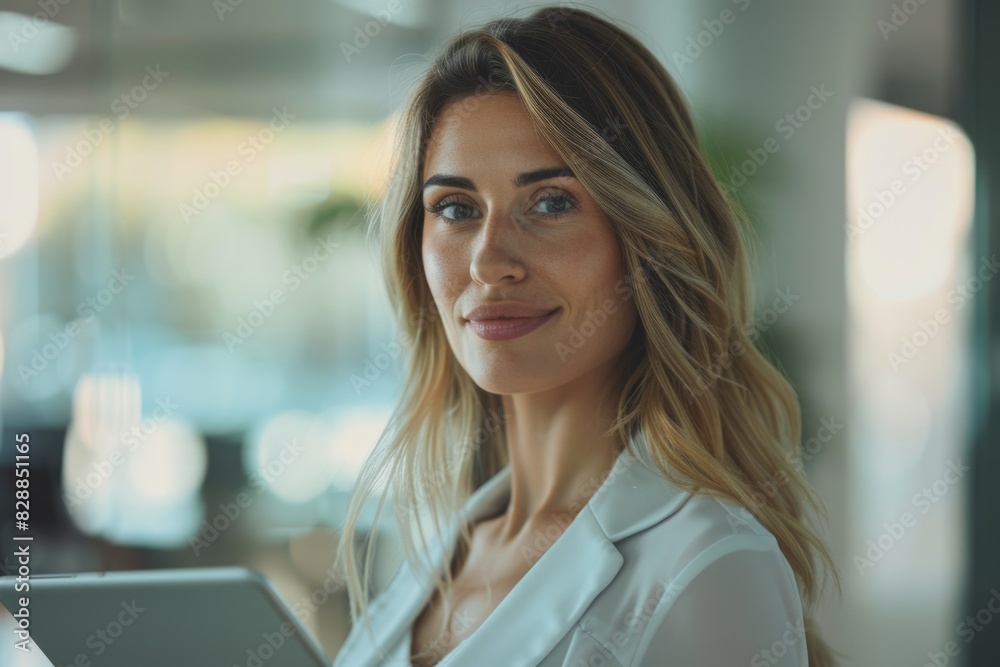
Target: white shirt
{"points": [[645, 575]]}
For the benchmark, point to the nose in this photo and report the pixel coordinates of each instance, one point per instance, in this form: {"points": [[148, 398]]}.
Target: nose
{"points": [[496, 257]]}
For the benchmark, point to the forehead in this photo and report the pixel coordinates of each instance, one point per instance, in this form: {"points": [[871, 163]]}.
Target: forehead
{"points": [[486, 134]]}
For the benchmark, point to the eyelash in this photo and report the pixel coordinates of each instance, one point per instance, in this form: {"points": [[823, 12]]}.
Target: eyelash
{"points": [[453, 200]]}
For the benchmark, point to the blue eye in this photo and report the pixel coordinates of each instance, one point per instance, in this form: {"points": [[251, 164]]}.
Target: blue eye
{"points": [[462, 210], [556, 205]]}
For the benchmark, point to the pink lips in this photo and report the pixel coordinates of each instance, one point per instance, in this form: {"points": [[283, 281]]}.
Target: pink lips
{"points": [[507, 321]]}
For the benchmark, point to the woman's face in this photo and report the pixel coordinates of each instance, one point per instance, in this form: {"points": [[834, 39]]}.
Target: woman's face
{"points": [[506, 224]]}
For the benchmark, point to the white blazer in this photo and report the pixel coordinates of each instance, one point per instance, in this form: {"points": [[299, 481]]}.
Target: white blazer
{"points": [[645, 575]]}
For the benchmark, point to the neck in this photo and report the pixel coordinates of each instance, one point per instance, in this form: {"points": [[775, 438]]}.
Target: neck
{"points": [[558, 453]]}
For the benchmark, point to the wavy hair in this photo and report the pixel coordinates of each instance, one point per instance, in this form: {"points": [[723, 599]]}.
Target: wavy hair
{"points": [[715, 415]]}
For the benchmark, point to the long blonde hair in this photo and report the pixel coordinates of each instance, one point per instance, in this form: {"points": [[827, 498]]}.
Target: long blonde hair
{"points": [[716, 415]]}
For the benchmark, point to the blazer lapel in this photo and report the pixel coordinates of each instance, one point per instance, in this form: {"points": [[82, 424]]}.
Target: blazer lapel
{"points": [[553, 595]]}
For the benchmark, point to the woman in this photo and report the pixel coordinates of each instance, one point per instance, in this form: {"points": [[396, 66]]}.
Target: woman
{"points": [[587, 437]]}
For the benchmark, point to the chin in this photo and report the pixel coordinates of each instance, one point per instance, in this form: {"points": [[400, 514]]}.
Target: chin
{"points": [[498, 377]]}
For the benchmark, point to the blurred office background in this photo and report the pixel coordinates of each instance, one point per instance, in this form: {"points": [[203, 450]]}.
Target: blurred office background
{"points": [[194, 335]]}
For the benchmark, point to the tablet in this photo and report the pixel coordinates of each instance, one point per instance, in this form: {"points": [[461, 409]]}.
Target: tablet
{"points": [[216, 617]]}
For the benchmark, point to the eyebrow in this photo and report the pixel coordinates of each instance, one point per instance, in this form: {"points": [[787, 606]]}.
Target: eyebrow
{"points": [[527, 178]]}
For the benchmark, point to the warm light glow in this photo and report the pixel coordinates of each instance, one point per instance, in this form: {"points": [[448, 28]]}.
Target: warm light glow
{"points": [[105, 407], [169, 464], [909, 194]]}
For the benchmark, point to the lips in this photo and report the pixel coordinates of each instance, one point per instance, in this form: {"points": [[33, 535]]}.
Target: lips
{"points": [[506, 321]]}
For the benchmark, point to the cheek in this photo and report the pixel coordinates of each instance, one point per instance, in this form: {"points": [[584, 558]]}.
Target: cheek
{"points": [[587, 267], [593, 284], [443, 268]]}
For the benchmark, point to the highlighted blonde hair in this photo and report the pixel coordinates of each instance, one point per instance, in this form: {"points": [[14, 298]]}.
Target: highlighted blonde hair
{"points": [[717, 417]]}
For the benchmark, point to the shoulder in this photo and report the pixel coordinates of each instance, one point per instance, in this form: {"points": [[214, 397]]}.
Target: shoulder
{"points": [[705, 533], [725, 592], [709, 584]]}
